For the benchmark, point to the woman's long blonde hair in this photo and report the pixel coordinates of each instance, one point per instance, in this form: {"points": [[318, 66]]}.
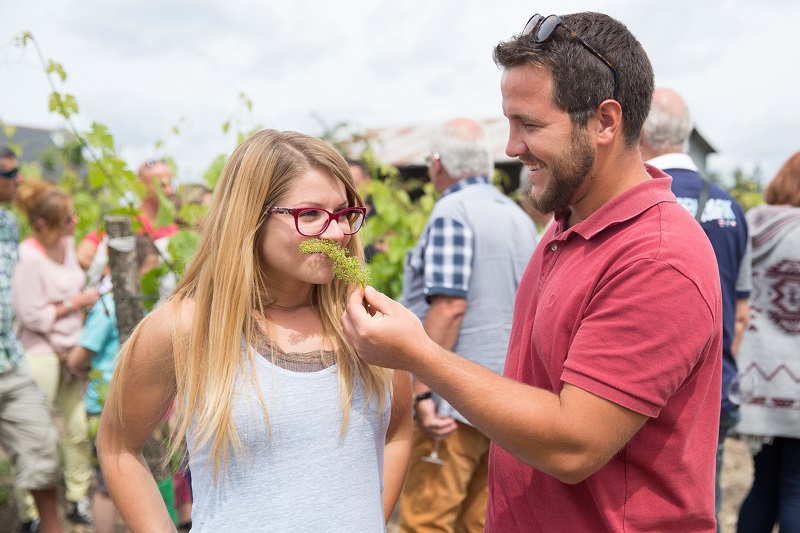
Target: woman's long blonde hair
{"points": [[227, 285]]}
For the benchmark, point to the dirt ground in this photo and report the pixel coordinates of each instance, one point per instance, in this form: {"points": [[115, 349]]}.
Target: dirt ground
{"points": [[737, 475]]}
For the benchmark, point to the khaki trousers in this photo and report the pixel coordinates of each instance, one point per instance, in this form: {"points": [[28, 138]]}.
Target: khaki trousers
{"points": [[76, 447], [449, 497]]}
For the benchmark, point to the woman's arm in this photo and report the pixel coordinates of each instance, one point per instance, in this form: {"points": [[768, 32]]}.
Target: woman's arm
{"points": [[79, 360], [139, 399], [398, 442]]}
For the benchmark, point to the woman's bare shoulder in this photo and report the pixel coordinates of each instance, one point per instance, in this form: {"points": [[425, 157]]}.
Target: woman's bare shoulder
{"points": [[157, 332]]}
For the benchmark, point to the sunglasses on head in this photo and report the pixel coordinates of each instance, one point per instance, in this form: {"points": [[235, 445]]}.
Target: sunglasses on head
{"points": [[9, 174], [541, 29]]}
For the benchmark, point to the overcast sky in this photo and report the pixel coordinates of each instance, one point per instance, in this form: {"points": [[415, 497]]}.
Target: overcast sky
{"points": [[143, 67]]}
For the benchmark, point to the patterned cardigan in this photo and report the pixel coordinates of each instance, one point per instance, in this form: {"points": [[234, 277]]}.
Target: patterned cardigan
{"points": [[769, 356]]}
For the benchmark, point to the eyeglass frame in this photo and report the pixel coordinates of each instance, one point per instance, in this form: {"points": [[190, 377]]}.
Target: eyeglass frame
{"points": [[296, 211], [9, 174], [429, 159], [531, 26], [150, 163], [70, 218]]}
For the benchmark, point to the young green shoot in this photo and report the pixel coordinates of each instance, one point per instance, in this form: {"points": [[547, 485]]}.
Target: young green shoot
{"points": [[345, 267]]}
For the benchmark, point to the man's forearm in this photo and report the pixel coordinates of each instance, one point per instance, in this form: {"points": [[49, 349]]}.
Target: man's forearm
{"points": [[443, 321], [442, 324]]}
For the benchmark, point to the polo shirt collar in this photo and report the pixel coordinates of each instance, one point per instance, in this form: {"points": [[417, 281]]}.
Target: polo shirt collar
{"points": [[626, 206], [466, 182], [682, 161]]}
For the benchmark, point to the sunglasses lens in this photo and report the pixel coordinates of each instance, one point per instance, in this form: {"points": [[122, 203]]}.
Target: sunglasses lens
{"points": [[10, 174], [546, 28], [532, 22]]}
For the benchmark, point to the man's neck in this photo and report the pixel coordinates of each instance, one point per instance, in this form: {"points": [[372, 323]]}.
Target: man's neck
{"points": [[150, 209], [609, 178]]}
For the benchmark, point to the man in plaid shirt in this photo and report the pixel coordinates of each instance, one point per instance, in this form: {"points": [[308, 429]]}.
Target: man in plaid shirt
{"points": [[460, 280], [27, 433]]}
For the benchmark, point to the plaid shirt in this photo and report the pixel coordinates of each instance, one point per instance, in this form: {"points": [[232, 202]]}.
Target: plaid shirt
{"points": [[449, 250], [11, 352]]}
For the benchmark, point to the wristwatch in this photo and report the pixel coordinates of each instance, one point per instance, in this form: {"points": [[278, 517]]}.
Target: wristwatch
{"points": [[424, 396], [67, 303]]}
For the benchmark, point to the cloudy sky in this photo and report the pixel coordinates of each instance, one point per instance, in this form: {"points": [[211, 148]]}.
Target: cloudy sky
{"points": [[143, 67]]}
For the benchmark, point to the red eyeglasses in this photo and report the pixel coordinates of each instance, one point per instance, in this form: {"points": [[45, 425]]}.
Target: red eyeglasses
{"points": [[313, 221]]}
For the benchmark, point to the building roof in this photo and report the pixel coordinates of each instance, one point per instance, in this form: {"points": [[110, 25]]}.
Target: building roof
{"points": [[405, 146], [30, 143]]}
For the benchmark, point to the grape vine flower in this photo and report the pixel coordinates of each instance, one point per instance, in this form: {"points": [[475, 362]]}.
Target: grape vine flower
{"points": [[345, 267]]}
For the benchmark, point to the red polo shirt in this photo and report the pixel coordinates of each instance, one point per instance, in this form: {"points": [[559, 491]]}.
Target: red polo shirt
{"points": [[625, 305]]}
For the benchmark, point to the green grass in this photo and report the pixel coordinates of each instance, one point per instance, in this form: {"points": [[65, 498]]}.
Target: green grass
{"points": [[6, 481]]}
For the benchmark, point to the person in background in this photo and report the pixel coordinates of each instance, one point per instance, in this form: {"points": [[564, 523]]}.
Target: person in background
{"points": [[49, 295], [542, 220], [665, 144], [154, 174], [460, 280], [197, 195], [269, 397], [27, 433], [769, 359], [607, 416], [96, 350], [362, 179]]}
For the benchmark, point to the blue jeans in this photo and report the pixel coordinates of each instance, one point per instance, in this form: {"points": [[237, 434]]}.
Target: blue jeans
{"points": [[775, 494], [727, 421]]}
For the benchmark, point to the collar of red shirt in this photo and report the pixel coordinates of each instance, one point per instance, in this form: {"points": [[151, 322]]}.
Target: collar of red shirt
{"points": [[626, 206]]}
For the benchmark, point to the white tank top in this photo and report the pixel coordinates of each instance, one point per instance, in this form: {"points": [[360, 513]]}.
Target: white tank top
{"points": [[302, 476]]}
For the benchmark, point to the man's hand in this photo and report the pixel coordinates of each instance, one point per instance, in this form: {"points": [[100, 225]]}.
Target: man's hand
{"points": [[432, 424], [389, 335]]}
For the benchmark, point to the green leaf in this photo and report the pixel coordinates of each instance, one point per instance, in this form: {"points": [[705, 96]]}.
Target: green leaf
{"points": [[24, 38], [55, 102], [52, 66], [71, 104], [166, 209], [226, 126], [95, 176], [211, 177], [99, 137]]}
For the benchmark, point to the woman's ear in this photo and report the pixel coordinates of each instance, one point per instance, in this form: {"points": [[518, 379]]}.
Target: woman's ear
{"points": [[39, 225]]}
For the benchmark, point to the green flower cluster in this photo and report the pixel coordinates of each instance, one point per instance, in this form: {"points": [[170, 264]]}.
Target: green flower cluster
{"points": [[345, 267]]}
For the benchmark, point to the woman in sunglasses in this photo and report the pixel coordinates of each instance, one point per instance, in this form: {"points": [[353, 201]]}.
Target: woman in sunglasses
{"points": [[49, 298], [285, 426]]}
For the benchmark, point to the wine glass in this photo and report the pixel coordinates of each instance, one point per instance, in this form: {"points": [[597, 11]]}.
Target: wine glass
{"points": [[742, 388], [443, 410]]}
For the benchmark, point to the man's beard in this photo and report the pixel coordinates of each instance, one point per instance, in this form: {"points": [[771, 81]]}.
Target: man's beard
{"points": [[568, 171]]}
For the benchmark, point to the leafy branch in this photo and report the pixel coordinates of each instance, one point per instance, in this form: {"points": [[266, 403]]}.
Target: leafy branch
{"points": [[66, 106]]}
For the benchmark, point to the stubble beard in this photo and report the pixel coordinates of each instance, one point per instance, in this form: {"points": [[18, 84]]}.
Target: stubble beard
{"points": [[568, 172]]}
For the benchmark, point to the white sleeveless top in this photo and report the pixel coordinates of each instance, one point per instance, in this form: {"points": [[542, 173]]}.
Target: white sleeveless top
{"points": [[301, 475]]}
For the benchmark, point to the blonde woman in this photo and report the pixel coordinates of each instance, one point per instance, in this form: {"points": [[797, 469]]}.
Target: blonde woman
{"points": [[286, 428], [49, 298]]}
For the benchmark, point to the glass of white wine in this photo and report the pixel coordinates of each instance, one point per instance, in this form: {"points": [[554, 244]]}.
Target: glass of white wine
{"points": [[443, 410]]}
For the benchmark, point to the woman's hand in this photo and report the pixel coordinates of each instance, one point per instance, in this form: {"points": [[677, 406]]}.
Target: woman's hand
{"points": [[86, 299]]}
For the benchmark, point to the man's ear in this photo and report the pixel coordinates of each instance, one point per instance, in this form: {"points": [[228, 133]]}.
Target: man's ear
{"points": [[609, 121]]}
